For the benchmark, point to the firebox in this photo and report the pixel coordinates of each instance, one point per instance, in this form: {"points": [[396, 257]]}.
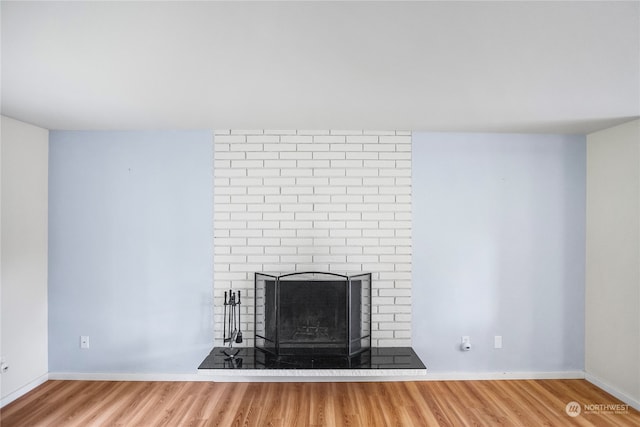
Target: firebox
{"points": [[313, 313]]}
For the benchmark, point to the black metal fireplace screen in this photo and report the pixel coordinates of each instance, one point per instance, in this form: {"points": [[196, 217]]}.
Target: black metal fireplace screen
{"points": [[311, 313]]}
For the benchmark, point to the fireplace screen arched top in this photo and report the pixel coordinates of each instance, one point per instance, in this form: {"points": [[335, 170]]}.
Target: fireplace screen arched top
{"points": [[313, 313]]}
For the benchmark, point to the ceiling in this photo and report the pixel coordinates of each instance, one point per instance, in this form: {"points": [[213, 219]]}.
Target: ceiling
{"points": [[556, 67]]}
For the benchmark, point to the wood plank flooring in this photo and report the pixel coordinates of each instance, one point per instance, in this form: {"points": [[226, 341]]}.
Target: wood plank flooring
{"points": [[429, 403]]}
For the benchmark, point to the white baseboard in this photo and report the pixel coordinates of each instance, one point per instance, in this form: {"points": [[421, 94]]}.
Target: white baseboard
{"points": [[476, 376], [23, 390], [95, 376], [250, 376], [598, 382]]}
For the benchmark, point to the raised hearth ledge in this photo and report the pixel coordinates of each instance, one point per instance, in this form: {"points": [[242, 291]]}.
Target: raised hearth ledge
{"points": [[242, 375], [377, 364]]}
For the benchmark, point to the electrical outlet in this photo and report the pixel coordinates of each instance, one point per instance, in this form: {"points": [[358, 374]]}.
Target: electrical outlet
{"points": [[465, 345], [84, 341], [497, 341]]}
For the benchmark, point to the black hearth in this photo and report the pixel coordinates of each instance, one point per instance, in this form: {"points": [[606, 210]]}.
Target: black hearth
{"points": [[313, 314]]}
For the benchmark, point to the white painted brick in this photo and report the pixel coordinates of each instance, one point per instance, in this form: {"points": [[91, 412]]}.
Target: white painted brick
{"points": [[363, 190], [345, 233], [229, 139], [345, 216], [377, 216], [394, 190], [244, 147], [329, 139], [222, 132], [263, 241], [263, 139], [396, 172], [379, 132], [329, 258], [398, 155], [314, 198], [279, 233], [402, 334], [280, 181], [280, 147], [296, 259], [314, 163], [378, 232], [297, 189], [297, 139], [368, 172], [229, 207], [394, 309], [279, 250], [312, 232], [262, 207], [312, 181], [346, 163], [369, 155], [296, 207], [279, 198], [315, 147], [346, 147], [329, 224], [312, 212], [263, 259], [313, 132], [329, 172], [263, 190], [263, 225], [277, 216], [346, 250], [347, 198], [295, 225], [297, 172], [362, 207], [400, 139], [247, 132], [247, 250], [295, 155], [279, 132], [330, 189], [311, 216], [406, 181], [297, 241], [346, 132], [328, 155], [369, 139], [263, 172], [378, 250]]}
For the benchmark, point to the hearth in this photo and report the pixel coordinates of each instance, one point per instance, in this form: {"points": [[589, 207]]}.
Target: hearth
{"points": [[313, 314]]}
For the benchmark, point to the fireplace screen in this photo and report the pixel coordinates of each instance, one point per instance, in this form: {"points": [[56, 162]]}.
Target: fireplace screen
{"points": [[313, 313]]}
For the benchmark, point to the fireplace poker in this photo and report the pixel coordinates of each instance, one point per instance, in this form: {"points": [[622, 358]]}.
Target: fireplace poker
{"points": [[239, 336], [224, 319]]}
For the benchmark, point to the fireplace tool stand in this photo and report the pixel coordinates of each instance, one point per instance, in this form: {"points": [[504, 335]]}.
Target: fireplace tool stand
{"points": [[231, 326]]}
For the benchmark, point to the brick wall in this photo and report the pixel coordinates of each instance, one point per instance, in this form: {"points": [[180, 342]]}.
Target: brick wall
{"points": [[315, 200]]}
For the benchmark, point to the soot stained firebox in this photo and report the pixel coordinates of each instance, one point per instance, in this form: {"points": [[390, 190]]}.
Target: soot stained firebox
{"points": [[313, 314]]}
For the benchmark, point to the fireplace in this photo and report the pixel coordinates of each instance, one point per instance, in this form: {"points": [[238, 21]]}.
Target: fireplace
{"points": [[313, 314]]}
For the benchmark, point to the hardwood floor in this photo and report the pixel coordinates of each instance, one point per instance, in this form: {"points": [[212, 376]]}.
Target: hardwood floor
{"points": [[431, 403]]}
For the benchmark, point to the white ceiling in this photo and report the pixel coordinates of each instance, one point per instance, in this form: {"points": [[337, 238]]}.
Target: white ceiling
{"points": [[560, 67]]}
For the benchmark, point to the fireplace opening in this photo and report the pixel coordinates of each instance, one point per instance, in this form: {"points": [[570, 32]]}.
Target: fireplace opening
{"points": [[315, 314]]}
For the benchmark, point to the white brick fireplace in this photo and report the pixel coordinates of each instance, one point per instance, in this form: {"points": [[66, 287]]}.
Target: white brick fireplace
{"points": [[338, 201]]}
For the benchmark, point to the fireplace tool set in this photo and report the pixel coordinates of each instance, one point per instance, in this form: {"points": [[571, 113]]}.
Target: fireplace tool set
{"points": [[231, 323]]}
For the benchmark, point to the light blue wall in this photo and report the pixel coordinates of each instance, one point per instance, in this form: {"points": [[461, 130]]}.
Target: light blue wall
{"points": [[499, 249], [130, 250]]}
